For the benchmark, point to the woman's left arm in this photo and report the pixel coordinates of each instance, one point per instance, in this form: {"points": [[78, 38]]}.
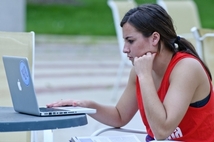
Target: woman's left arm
{"points": [[164, 117]]}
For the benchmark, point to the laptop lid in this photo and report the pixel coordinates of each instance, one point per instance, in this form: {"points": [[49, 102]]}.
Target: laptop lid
{"points": [[20, 85], [22, 89]]}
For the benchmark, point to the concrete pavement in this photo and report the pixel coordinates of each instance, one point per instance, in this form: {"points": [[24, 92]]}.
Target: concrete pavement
{"points": [[72, 67]]}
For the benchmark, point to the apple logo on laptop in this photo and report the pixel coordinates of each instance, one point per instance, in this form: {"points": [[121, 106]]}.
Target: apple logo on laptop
{"points": [[19, 85]]}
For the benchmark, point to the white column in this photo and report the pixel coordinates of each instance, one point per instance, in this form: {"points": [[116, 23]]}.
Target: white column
{"points": [[12, 15]]}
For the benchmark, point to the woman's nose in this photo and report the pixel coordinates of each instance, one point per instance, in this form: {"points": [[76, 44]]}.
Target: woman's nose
{"points": [[125, 49]]}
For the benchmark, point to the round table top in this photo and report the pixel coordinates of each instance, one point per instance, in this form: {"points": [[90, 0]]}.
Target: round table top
{"points": [[13, 121]]}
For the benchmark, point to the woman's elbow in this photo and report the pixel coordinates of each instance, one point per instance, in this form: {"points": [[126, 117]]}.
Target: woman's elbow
{"points": [[119, 124], [161, 134]]}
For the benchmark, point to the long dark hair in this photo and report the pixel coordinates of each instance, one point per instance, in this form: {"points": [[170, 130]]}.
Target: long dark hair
{"points": [[150, 18]]}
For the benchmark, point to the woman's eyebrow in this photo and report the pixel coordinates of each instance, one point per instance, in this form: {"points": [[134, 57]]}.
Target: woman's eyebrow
{"points": [[127, 37]]}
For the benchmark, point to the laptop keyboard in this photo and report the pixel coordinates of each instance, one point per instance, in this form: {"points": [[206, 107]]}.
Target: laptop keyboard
{"points": [[44, 109]]}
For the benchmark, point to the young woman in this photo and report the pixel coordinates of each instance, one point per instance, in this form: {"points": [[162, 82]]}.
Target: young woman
{"points": [[168, 84]]}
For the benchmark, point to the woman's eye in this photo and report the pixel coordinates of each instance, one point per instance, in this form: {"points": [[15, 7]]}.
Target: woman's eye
{"points": [[130, 41]]}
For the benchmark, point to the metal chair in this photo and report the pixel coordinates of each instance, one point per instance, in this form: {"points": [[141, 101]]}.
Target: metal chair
{"points": [[15, 44], [103, 130], [205, 45], [184, 14], [133, 131], [119, 8]]}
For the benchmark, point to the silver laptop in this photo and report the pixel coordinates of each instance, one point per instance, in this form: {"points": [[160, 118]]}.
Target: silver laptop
{"points": [[23, 94]]}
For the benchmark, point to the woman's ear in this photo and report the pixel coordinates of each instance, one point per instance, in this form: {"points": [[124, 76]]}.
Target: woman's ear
{"points": [[155, 38]]}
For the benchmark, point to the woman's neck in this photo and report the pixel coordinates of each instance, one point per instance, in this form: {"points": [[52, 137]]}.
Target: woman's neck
{"points": [[161, 62]]}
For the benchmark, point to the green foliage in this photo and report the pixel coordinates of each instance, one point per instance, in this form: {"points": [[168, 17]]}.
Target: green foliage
{"points": [[145, 1], [206, 11], [89, 17]]}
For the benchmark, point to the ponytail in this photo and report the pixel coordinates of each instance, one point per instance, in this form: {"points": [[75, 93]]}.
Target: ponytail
{"points": [[182, 45]]}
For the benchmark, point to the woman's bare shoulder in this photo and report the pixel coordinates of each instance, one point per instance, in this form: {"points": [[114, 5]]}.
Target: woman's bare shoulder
{"points": [[189, 72], [189, 66]]}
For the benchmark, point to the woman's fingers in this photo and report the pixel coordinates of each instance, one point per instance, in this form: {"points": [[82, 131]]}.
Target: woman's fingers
{"points": [[62, 103]]}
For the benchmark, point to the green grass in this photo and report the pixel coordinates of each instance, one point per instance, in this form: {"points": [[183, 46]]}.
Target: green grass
{"points": [[91, 17], [85, 19], [206, 11]]}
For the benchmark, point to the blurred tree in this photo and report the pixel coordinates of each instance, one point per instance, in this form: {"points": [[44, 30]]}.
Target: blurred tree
{"points": [[72, 2]]}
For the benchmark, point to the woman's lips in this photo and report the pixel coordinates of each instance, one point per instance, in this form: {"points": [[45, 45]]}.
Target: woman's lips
{"points": [[130, 58]]}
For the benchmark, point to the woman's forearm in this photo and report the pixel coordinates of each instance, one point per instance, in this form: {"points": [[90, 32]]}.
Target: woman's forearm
{"points": [[108, 115]]}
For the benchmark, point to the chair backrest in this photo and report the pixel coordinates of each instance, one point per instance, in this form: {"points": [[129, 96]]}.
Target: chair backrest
{"points": [[205, 45], [184, 14], [119, 8], [15, 44]]}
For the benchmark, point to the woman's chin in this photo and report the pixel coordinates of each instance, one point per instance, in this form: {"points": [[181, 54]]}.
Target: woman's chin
{"points": [[132, 61]]}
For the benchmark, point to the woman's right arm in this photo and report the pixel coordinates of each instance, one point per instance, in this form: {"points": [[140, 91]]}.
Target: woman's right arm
{"points": [[115, 116]]}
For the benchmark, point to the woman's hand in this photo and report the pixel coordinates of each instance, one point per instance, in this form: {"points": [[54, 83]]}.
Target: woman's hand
{"points": [[68, 103], [143, 64]]}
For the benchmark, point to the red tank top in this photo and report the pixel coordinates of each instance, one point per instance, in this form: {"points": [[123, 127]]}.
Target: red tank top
{"points": [[197, 124]]}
